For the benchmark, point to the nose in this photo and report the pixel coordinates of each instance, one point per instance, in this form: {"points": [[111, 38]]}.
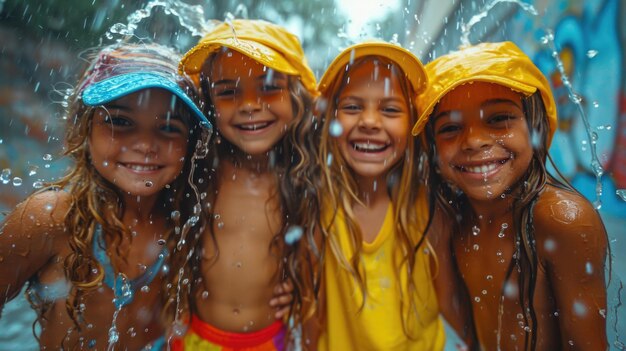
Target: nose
{"points": [[250, 102], [146, 144], [476, 138], [370, 119]]}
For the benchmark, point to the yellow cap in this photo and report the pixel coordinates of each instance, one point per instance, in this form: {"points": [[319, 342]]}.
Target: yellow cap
{"points": [[265, 42], [409, 63], [500, 63]]}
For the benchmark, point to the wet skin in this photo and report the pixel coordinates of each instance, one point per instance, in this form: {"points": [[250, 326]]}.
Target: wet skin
{"points": [[374, 115], [570, 298], [138, 146], [253, 110]]}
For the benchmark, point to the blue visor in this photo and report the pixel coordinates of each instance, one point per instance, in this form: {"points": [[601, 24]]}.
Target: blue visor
{"points": [[113, 88]]}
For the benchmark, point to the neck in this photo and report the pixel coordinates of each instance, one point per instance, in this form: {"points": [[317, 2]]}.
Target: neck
{"points": [[488, 211], [262, 163], [137, 208], [372, 190]]}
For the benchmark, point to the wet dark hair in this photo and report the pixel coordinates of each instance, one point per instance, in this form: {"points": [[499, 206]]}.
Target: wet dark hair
{"points": [[455, 205]]}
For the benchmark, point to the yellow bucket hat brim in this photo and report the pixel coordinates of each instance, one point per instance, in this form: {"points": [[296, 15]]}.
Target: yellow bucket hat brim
{"points": [[499, 63], [265, 42], [406, 60]]}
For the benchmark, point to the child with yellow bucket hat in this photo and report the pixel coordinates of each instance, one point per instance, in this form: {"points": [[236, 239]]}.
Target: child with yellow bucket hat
{"points": [[378, 292], [258, 91], [527, 251]]}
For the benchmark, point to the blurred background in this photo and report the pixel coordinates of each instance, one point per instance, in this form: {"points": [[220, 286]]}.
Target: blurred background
{"points": [[44, 42]]}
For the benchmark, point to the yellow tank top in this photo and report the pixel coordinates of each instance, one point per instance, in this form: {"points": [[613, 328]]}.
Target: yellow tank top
{"points": [[378, 325]]}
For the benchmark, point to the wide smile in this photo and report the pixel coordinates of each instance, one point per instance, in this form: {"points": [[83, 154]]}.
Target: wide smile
{"points": [[369, 147], [482, 171], [254, 127], [140, 168]]}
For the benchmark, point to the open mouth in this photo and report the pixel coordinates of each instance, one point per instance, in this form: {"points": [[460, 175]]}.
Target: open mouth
{"points": [[485, 168], [368, 147], [251, 127], [140, 167]]}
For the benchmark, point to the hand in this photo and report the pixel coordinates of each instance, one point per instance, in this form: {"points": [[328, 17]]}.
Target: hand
{"points": [[283, 296]]}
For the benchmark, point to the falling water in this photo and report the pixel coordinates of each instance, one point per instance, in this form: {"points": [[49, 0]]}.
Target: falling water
{"points": [[190, 17], [465, 28], [592, 137]]}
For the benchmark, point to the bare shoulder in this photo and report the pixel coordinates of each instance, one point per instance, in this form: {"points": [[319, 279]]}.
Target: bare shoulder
{"points": [[42, 211], [564, 218]]}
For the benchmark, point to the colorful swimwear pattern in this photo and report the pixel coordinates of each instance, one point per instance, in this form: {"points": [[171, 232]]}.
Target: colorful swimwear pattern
{"points": [[203, 336]]}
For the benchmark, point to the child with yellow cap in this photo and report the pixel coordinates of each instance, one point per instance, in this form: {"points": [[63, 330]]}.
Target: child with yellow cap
{"points": [[258, 91], [378, 292], [529, 250]]}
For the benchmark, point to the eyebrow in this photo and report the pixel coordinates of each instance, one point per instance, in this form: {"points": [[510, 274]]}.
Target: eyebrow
{"points": [[263, 77], [386, 99], [484, 104]]}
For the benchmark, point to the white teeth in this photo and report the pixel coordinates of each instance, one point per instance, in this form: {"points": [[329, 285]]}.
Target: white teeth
{"points": [[141, 168], [254, 126], [369, 146], [481, 169]]}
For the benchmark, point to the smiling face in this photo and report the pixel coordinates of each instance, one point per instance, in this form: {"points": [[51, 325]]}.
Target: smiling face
{"points": [[252, 102], [374, 114], [482, 139], [138, 142]]}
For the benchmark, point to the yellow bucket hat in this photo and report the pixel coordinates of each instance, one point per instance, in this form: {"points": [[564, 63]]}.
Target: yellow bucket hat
{"points": [[265, 42], [500, 63], [409, 63]]}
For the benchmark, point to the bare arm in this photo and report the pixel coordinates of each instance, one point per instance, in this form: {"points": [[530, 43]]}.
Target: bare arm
{"points": [[572, 242], [29, 238], [454, 302]]}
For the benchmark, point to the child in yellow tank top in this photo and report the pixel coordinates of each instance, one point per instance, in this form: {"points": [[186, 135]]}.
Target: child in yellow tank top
{"points": [[378, 292]]}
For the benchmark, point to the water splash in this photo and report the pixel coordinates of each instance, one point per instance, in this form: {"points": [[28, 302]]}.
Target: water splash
{"points": [[621, 193], [465, 28], [190, 17], [548, 39]]}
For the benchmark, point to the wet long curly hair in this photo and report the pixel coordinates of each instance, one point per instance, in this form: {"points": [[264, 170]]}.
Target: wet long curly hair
{"points": [[97, 202], [404, 188], [456, 207], [294, 165]]}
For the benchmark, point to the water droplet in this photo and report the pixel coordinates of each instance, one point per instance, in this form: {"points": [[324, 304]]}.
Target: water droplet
{"points": [[17, 181], [205, 295], [580, 309], [475, 247], [145, 289], [47, 157], [489, 277], [149, 184], [293, 234], [105, 163], [477, 299], [175, 215], [589, 268], [335, 129], [161, 242], [484, 292], [475, 230], [592, 53], [220, 225], [5, 176], [238, 264], [38, 184], [556, 313], [595, 104], [621, 193], [32, 170], [549, 245]]}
